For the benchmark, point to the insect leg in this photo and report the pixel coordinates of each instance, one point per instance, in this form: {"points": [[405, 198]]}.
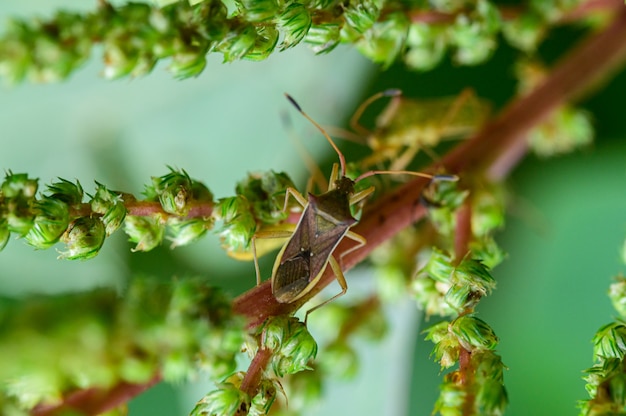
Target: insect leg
{"points": [[342, 282]]}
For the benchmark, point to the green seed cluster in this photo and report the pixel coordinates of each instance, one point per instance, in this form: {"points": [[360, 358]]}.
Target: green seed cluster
{"points": [[135, 36], [606, 380], [175, 207], [175, 329]]}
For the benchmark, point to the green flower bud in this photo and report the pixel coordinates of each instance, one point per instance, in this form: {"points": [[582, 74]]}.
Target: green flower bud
{"points": [[474, 36], [258, 10], [84, 238], [147, 232], [475, 275], [426, 46], [262, 402], [567, 129], [291, 342], [111, 206], [358, 18], [51, 221], [267, 38], [429, 296], [295, 22], [184, 232], [439, 266], [491, 396], [187, 64], [617, 294], [238, 44], [610, 341], [323, 37], [66, 191], [473, 333], [227, 401], [385, 39], [174, 192], [239, 225], [265, 194], [451, 396], [487, 251], [340, 361], [447, 347], [18, 185], [525, 32]]}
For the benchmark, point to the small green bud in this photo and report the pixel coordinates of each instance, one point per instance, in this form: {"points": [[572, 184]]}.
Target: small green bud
{"points": [[239, 225], [147, 232], [174, 192], [267, 38], [258, 10], [474, 36], [473, 333], [227, 401], [429, 295], [262, 402], [525, 32], [385, 39], [439, 266], [451, 396], [238, 44], [487, 251], [265, 193], [111, 206], [323, 37], [617, 294], [491, 396], [66, 191], [447, 347], [426, 46], [295, 22], [291, 342], [567, 129], [184, 232], [473, 273], [610, 341], [51, 221], [84, 238], [187, 64], [18, 185], [358, 18], [340, 361]]}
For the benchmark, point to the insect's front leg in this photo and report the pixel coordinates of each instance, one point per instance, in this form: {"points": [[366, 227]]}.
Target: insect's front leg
{"points": [[284, 231]]}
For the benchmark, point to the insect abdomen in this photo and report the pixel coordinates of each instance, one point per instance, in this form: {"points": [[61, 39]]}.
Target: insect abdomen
{"points": [[292, 277]]}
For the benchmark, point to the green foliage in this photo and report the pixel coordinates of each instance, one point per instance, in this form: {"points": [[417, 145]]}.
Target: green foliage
{"points": [[173, 328], [136, 36]]}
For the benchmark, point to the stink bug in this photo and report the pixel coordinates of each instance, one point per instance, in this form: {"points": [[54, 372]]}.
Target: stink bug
{"points": [[325, 220]]}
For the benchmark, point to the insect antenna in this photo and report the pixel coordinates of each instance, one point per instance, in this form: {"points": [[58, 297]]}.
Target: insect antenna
{"points": [[342, 159], [440, 177], [354, 120]]}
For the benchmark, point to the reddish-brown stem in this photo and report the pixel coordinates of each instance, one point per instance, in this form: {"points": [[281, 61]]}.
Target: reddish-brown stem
{"points": [[95, 401], [466, 372], [463, 231], [251, 380]]}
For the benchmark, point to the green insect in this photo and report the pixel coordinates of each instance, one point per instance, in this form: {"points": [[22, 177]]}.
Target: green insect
{"points": [[325, 221], [407, 125]]}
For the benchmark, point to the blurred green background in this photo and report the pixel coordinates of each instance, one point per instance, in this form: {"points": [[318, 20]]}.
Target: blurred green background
{"points": [[565, 229]]}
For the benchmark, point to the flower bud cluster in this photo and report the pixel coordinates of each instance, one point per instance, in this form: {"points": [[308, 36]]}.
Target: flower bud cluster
{"points": [[175, 329]]}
